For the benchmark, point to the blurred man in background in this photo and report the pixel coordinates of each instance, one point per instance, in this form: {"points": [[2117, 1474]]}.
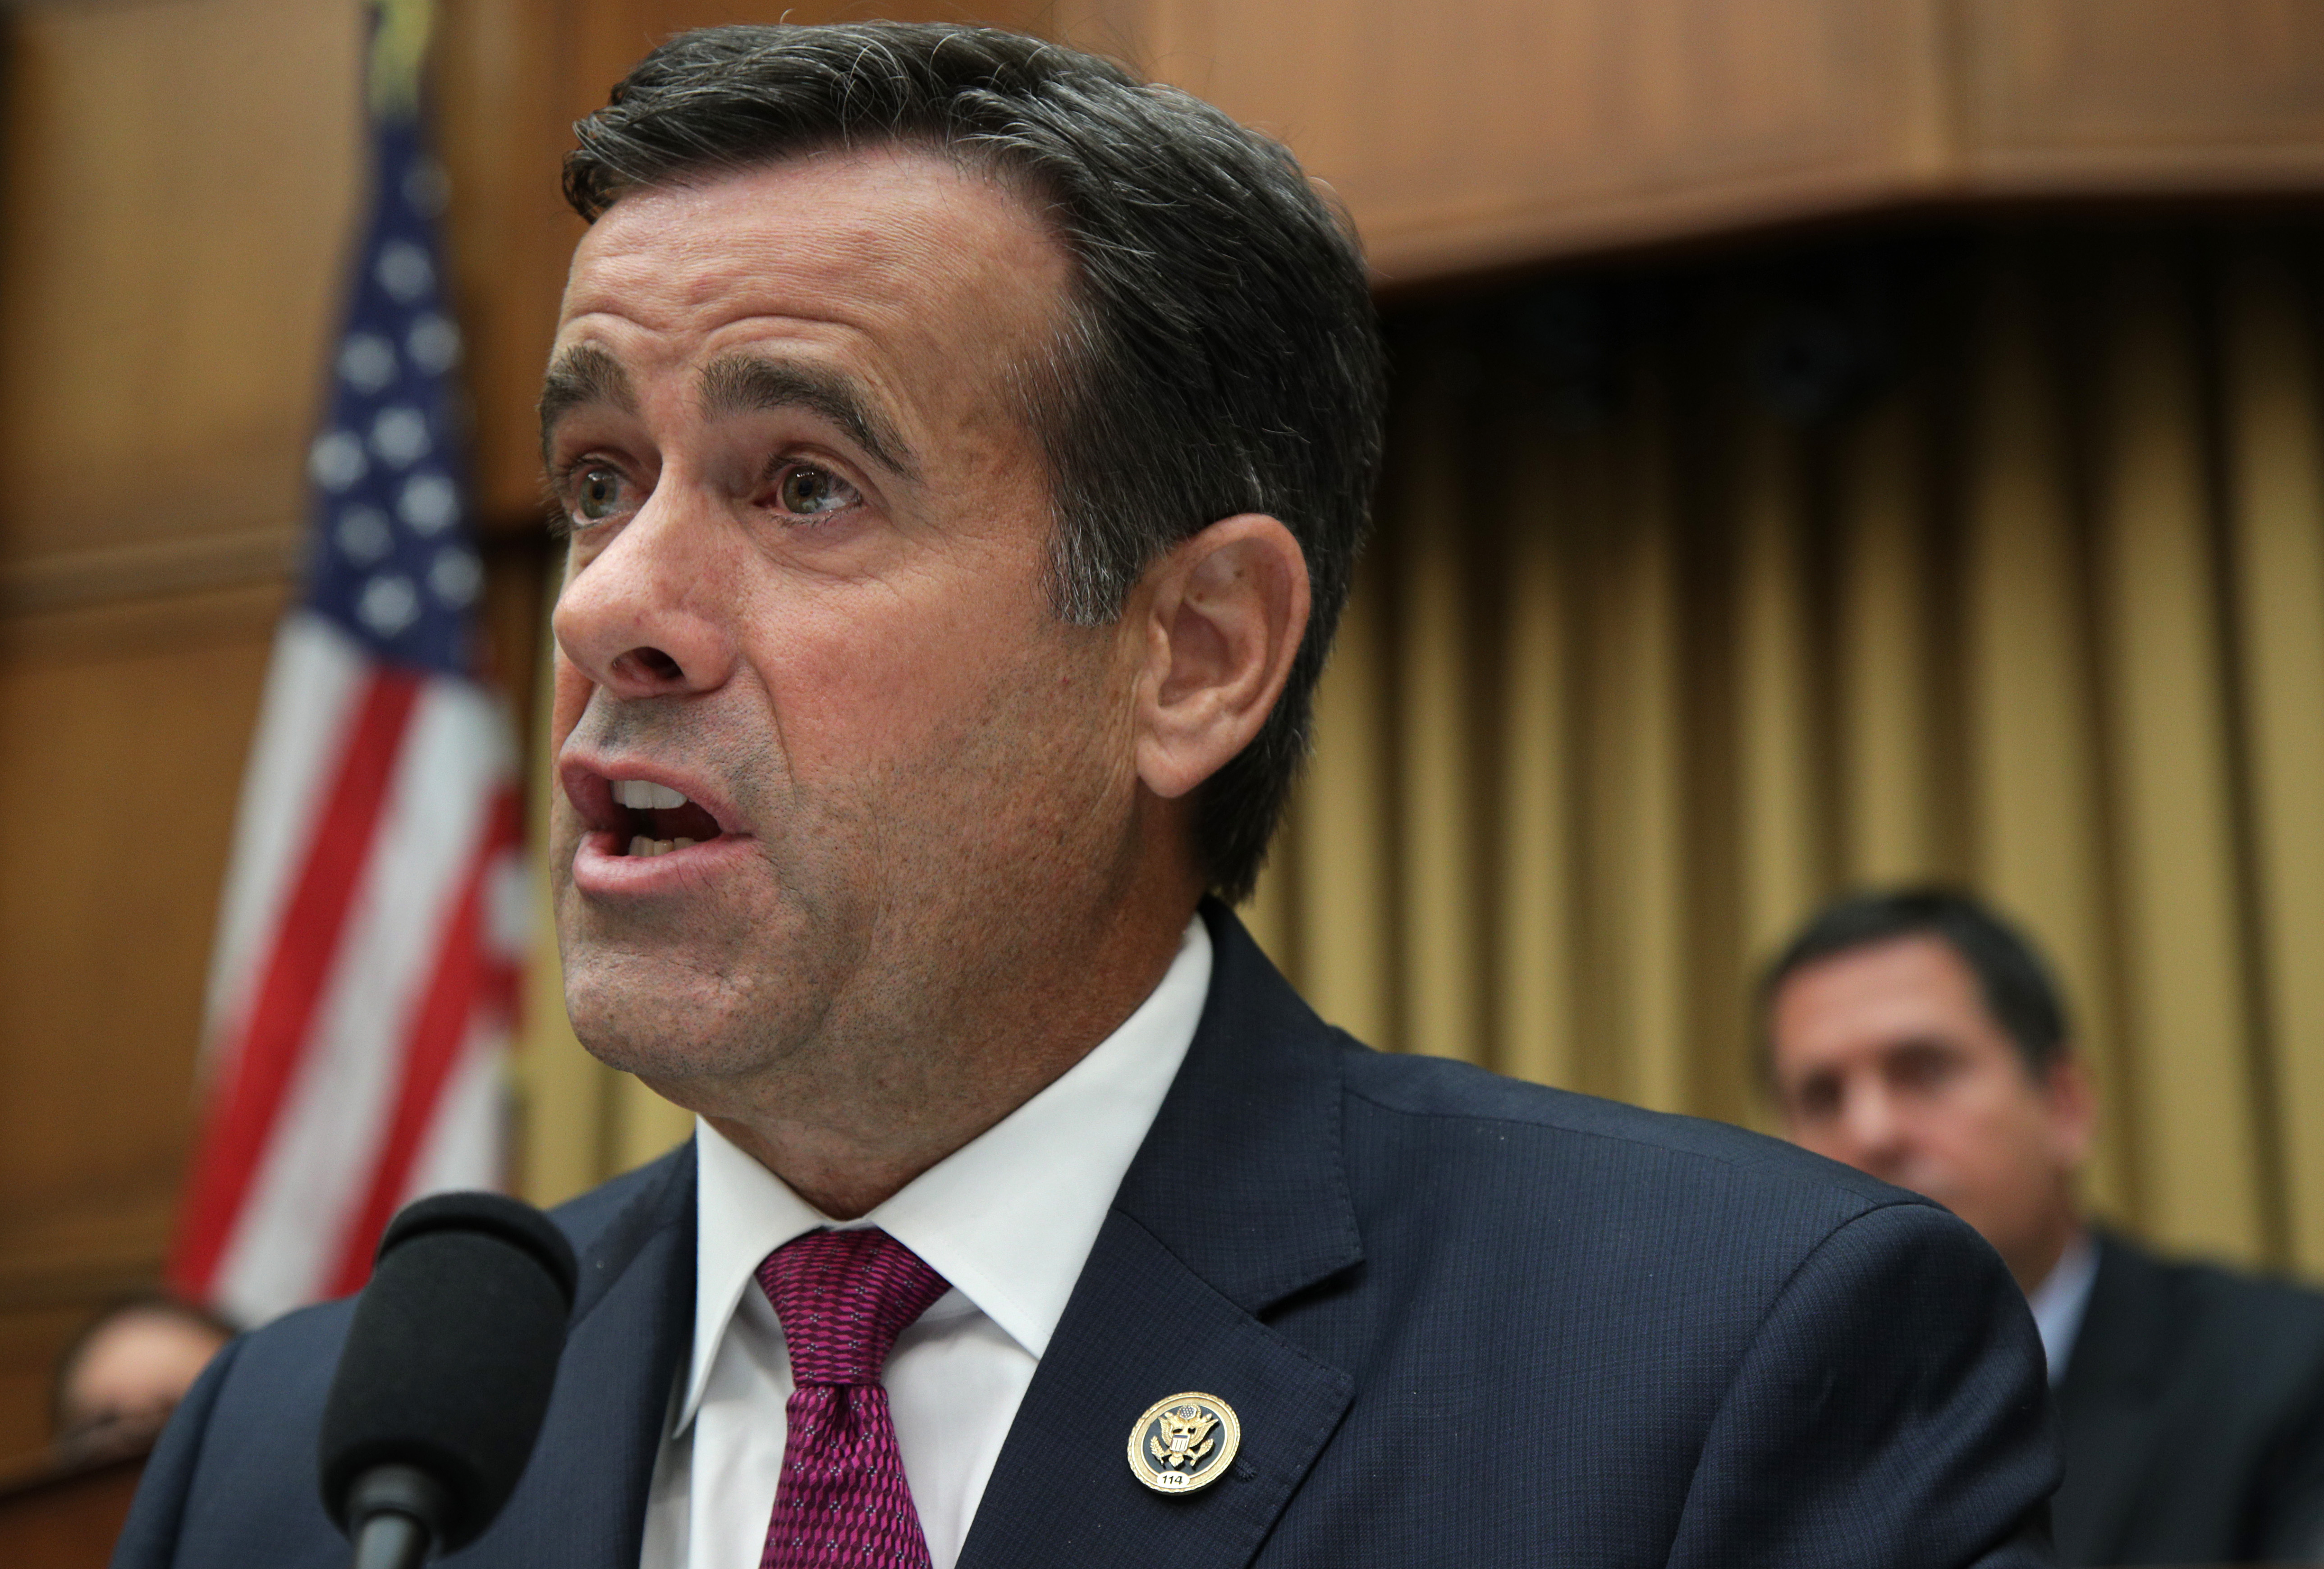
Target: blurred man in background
{"points": [[126, 1370], [1915, 1036]]}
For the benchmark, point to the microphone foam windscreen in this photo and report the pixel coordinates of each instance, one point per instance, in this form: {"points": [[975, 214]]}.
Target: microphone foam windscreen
{"points": [[450, 1362]]}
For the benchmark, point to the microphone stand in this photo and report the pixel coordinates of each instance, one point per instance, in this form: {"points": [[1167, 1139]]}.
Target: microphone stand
{"points": [[390, 1540], [401, 1511]]}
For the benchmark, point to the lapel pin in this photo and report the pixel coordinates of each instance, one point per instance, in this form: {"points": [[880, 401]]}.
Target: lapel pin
{"points": [[1184, 1443]]}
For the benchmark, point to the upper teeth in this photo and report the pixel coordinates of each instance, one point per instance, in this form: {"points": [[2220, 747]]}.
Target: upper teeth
{"points": [[644, 795]]}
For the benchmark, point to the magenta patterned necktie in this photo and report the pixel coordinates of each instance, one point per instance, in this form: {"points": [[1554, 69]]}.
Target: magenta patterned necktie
{"points": [[843, 1298]]}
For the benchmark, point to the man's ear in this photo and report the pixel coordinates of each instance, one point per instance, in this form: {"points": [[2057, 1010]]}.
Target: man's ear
{"points": [[1222, 615], [2073, 1105]]}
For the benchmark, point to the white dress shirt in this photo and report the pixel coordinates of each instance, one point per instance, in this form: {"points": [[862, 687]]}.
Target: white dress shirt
{"points": [[2062, 1299], [1007, 1220]]}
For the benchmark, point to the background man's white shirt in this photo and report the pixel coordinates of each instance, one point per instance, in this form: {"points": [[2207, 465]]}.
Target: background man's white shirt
{"points": [[1009, 1220], [2062, 1299]]}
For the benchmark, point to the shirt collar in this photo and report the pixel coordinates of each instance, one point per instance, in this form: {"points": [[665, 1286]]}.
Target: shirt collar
{"points": [[2062, 1299], [1009, 1218]]}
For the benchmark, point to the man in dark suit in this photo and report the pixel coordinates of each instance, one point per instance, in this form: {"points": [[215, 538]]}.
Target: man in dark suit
{"points": [[1917, 1037], [964, 451]]}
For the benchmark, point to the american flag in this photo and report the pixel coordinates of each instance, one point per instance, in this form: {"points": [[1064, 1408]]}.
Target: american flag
{"points": [[364, 982]]}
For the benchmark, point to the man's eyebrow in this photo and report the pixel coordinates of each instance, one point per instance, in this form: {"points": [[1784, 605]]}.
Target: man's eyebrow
{"points": [[582, 375], [748, 383]]}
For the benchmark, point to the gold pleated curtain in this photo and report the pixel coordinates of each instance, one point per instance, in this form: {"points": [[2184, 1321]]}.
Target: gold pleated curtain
{"points": [[1701, 594]]}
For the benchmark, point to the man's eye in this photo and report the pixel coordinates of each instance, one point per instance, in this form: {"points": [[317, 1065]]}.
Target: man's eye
{"points": [[810, 491], [1818, 1100], [1924, 1068], [597, 493]]}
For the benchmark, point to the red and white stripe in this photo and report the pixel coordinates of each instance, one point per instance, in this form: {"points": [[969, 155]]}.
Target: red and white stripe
{"points": [[363, 985]]}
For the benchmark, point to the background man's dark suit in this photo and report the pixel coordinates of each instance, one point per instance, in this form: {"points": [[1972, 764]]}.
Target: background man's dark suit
{"points": [[1464, 1320], [2193, 1411]]}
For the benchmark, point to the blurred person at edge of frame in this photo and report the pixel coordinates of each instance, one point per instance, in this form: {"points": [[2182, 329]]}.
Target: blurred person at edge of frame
{"points": [[122, 1375], [1915, 1036]]}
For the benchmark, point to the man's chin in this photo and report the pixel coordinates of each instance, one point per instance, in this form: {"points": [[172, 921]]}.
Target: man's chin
{"points": [[656, 1045], [666, 1034]]}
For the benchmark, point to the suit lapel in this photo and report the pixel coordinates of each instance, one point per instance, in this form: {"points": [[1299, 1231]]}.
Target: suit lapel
{"points": [[1237, 1200], [582, 1503], [2114, 1376]]}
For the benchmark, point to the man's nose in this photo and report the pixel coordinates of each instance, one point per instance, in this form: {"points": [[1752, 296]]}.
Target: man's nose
{"points": [[1874, 1134], [645, 615]]}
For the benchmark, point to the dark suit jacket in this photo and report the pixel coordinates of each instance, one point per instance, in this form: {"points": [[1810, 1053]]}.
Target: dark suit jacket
{"points": [[2193, 1406], [1464, 1320]]}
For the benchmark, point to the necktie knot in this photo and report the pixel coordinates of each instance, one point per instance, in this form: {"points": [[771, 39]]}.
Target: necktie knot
{"points": [[842, 1298]]}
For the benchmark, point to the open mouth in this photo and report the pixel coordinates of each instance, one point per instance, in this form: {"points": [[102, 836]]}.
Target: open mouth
{"points": [[656, 819]]}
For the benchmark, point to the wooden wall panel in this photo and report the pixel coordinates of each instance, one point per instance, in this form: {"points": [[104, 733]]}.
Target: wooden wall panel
{"points": [[1574, 124], [179, 185], [1477, 133], [30, 1338], [133, 753], [608, 36], [504, 75], [127, 724], [2141, 94]]}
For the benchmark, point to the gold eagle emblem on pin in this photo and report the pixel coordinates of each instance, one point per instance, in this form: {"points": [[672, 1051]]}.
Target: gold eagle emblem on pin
{"points": [[1184, 1443]]}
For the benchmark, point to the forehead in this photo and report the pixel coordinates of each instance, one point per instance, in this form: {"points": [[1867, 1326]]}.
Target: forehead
{"points": [[920, 266], [1862, 999]]}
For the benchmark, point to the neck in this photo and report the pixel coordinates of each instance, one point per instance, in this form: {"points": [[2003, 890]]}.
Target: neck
{"points": [[847, 1129], [2032, 1258]]}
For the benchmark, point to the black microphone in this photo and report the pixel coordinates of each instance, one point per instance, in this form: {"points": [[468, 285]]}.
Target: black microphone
{"points": [[445, 1376]]}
